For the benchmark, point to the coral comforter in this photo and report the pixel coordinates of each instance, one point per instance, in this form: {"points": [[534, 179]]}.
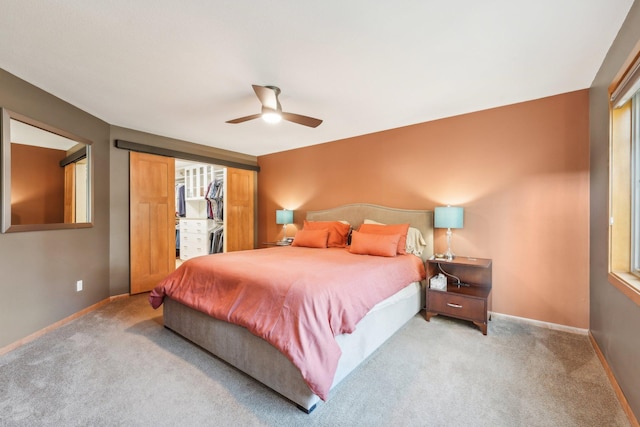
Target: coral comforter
{"points": [[298, 299]]}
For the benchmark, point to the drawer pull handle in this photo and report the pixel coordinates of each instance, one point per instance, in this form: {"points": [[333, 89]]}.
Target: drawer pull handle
{"points": [[454, 305]]}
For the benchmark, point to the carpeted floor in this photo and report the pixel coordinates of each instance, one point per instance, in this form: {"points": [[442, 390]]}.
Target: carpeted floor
{"points": [[118, 366]]}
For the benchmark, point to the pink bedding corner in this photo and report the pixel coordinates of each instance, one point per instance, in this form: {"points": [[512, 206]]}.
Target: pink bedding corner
{"points": [[298, 299]]}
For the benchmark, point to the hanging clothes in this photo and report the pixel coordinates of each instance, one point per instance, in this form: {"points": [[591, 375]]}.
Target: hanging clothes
{"points": [[215, 202], [181, 206], [217, 240], [208, 197]]}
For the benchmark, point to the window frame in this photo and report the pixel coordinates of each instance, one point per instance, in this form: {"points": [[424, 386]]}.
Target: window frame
{"points": [[624, 179], [635, 184]]}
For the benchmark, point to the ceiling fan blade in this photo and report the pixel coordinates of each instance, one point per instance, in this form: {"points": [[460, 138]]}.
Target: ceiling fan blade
{"points": [[268, 96], [301, 120], [244, 119]]}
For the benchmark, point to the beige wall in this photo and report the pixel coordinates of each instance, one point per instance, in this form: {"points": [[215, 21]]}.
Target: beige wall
{"points": [[614, 318], [521, 172], [40, 268]]}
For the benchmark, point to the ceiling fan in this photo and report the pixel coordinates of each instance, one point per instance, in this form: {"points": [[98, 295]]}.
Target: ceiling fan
{"points": [[272, 110]]}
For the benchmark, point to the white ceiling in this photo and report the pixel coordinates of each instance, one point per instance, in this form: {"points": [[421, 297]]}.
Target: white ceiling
{"points": [[22, 133], [182, 68]]}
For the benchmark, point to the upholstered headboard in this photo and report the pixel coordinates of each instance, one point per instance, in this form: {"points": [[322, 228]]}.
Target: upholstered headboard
{"points": [[356, 213]]}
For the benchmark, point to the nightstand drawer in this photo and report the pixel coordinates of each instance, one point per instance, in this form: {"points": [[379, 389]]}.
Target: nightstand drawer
{"points": [[457, 305]]}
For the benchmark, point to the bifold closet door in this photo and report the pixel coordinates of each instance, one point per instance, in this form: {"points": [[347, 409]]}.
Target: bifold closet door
{"points": [[152, 220]]}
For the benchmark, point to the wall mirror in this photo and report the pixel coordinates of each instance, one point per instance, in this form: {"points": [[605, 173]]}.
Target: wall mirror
{"points": [[46, 176]]}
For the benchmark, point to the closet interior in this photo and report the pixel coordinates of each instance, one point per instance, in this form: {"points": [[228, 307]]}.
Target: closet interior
{"points": [[200, 212]]}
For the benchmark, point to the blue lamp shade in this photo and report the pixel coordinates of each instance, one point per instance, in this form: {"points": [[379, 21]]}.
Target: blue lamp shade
{"points": [[448, 217], [284, 216]]}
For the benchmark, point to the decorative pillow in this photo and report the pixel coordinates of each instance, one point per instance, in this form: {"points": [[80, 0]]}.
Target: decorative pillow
{"points": [[415, 241], [401, 229], [374, 244], [338, 231], [311, 238]]}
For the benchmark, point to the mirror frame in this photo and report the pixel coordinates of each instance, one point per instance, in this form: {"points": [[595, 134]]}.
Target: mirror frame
{"points": [[5, 173]]}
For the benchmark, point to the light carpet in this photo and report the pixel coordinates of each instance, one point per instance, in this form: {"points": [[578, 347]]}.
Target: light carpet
{"points": [[118, 366]]}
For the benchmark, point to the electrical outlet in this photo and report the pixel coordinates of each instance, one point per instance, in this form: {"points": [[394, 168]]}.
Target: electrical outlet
{"points": [[78, 285]]}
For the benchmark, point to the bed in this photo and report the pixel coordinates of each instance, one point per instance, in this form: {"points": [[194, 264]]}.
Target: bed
{"points": [[260, 359]]}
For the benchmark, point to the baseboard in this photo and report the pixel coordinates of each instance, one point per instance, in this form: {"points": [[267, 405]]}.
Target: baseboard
{"points": [[542, 324], [47, 329], [614, 383]]}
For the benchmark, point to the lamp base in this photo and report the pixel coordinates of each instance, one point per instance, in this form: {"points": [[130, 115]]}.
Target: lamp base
{"points": [[449, 255]]}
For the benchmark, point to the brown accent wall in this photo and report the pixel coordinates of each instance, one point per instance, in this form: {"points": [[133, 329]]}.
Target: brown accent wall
{"points": [[521, 172], [37, 185]]}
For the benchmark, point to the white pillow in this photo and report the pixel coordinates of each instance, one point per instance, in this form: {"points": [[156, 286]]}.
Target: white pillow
{"points": [[415, 242]]}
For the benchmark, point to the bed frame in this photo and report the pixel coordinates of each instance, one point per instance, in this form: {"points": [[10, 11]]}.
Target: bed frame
{"points": [[257, 358]]}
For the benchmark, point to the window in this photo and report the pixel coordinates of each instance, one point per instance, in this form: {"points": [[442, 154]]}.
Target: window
{"points": [[635, 184], [624, 178]]}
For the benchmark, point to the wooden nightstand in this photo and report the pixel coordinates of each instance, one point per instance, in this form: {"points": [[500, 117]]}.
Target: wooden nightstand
{"points": [[470, 302]]}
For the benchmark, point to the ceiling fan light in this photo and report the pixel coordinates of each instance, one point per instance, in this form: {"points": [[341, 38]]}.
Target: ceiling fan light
{"points": [[271, 117]]}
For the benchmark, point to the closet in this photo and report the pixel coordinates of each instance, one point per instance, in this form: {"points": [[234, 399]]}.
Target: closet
{"points": [[200, 216]]}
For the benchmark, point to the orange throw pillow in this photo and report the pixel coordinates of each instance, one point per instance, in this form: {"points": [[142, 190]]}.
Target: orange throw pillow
{"points": [[311, 238], [338, 231], [374, 244], [401, 229]]}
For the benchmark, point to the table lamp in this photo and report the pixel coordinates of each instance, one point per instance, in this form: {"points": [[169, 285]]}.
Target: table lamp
{"points": [[448, 217], [284, 217]]}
